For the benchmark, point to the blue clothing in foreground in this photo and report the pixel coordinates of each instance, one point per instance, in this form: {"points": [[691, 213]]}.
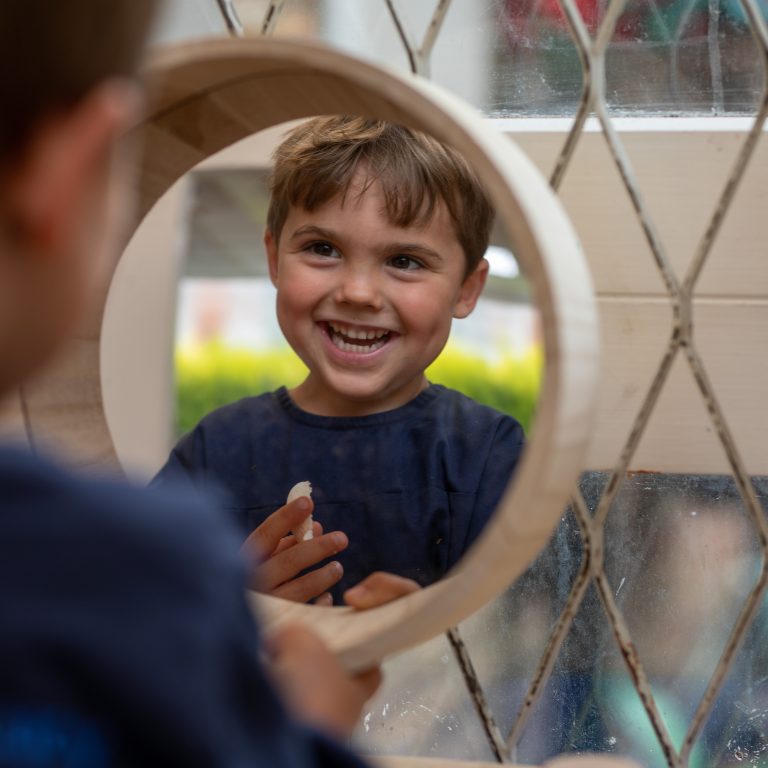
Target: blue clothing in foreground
{"points": [[125, 637], [412, 488]]}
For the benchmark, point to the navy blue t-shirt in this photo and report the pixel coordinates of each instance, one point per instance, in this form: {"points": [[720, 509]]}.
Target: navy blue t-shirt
{"points": [[125, 637], [412, 487]]}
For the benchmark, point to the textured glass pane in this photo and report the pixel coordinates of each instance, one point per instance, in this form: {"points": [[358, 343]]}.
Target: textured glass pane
{"points": [[507, 638], [589, 703], [737, 731], [423, 708], [694, 55], [681, 557], [665, 57], [536, 68]]}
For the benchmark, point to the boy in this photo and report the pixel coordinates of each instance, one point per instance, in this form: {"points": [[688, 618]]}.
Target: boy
{"points": [[375, 240], [125, 636]]}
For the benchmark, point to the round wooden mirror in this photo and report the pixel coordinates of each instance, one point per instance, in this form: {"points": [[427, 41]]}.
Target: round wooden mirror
{"points": [[207, 95]]}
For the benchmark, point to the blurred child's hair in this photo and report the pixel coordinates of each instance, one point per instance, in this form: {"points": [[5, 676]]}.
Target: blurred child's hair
{"points": [[52, 52], [317, 161]]}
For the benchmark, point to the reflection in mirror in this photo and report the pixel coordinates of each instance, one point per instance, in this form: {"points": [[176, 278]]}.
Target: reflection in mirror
{"points": [[408, 467]]}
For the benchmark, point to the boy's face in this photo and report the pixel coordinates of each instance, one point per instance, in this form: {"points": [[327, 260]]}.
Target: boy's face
{"points": [[367, 305]]}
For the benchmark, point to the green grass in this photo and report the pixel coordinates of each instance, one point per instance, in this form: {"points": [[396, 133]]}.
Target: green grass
{"points": [[213, 375]]}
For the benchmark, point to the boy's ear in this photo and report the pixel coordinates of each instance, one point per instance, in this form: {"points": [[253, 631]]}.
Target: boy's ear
{"points": [[271, 248], [65, 164], [470, 290]]}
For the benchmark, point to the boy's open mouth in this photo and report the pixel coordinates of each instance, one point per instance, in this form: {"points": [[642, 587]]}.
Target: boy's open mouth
{"points": [[358, 339]]}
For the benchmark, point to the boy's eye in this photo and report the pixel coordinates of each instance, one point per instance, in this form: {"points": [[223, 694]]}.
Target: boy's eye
{"points": [[320, 248], [401, 261]]}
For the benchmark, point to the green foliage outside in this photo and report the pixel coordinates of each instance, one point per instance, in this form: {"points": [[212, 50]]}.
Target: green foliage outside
{"points": [[212, 375]]}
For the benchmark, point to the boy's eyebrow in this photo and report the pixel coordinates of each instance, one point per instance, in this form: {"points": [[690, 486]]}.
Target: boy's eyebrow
{"points": [[414, 248], [311, 229], [327, 234]]}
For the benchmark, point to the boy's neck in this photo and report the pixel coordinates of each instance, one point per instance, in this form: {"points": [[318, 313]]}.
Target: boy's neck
{"points": [[317, 399]]}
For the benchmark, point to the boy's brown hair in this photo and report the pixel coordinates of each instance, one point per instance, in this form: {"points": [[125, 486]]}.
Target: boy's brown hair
{"points": [[318, 160], [52, 52]]}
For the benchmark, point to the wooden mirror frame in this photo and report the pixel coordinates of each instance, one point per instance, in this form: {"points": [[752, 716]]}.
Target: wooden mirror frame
{"points": [[209, 94]]}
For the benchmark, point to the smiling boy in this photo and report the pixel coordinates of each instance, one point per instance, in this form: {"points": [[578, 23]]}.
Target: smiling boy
{"points": [[375, 240]]}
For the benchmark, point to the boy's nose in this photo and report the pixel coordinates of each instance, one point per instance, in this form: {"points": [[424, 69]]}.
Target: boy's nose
{"points": [[359, 286]]}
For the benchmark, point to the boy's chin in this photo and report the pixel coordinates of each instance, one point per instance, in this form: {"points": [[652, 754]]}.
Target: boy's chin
{"points": [[361, 399], [355, 393]]}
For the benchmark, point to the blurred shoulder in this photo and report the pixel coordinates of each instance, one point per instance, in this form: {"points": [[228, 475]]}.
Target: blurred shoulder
{"points": [[47, 503]]}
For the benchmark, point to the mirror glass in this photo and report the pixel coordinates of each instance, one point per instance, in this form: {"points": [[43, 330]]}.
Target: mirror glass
{"points": [[410, 486]]}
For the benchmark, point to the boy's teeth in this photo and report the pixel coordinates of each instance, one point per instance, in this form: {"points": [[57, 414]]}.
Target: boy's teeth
{"points": [[357, 333], [359, 348]]}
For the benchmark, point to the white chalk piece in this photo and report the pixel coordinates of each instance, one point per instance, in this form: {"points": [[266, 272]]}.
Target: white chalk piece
{"points": [[303, 531]]}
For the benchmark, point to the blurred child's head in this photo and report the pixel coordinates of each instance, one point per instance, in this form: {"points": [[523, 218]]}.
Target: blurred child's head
{"points": [[67, 91], [375, 237]]}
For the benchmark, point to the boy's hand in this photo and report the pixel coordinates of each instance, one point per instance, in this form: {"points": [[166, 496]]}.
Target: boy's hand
{"points": [[313, 683], [379, 588], [280, 557]]}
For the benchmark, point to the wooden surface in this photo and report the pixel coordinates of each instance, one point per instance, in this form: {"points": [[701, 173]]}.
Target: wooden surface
{"points": [[210, 94]]}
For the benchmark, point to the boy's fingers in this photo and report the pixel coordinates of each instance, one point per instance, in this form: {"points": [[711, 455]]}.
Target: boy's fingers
{"points": [[266, 538], [285, 543], [290, 540], [312, 585], [287, 564], [255, 580], [379, 588], [326, 600]]}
